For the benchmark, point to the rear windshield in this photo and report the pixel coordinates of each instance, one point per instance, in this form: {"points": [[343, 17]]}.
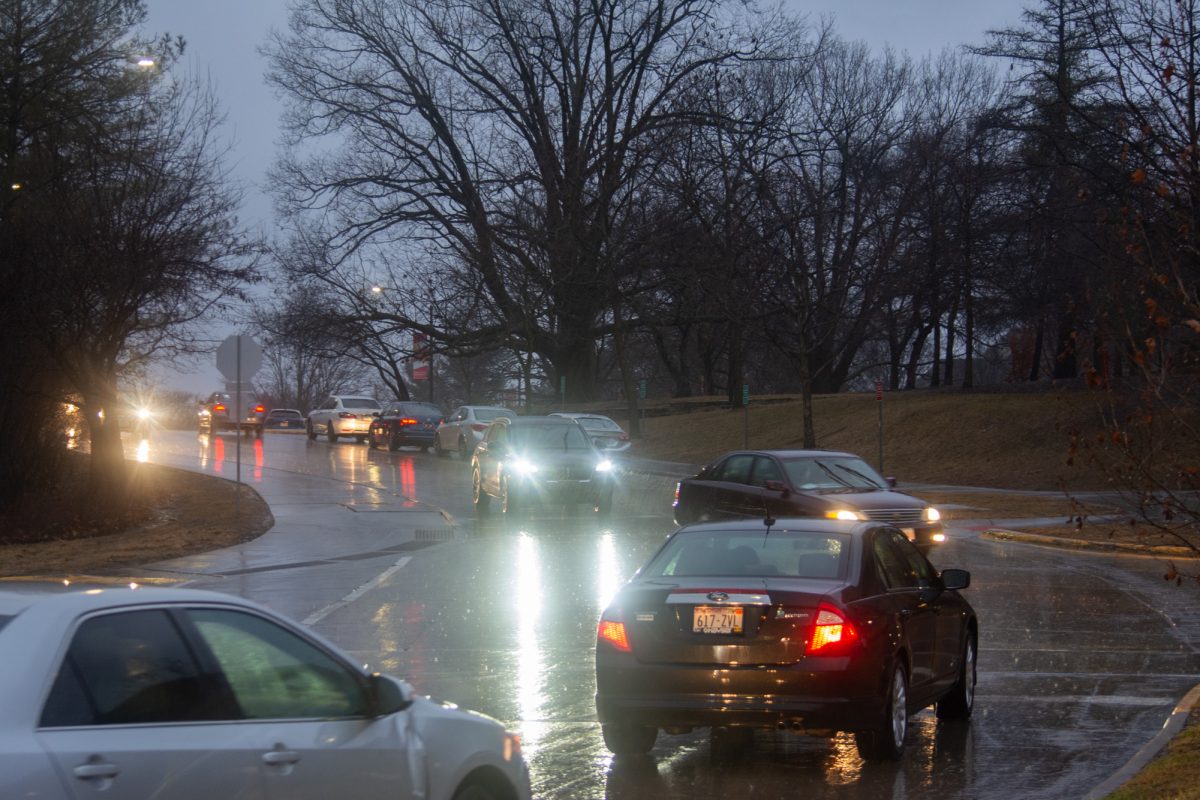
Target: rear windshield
{"points": [[549, 437], [360, 402], [420, 410], [790, 554], [489, 414], [598, 423], [288, 414], [833, 472]]}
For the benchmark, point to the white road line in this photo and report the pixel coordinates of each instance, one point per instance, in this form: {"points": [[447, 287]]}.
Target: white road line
{"points": [[317, 616]]}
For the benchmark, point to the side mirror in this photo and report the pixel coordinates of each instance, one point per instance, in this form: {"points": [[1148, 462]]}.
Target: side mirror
{"points": [[388, 695], [778, 486], [891, 482], [955, 579]]}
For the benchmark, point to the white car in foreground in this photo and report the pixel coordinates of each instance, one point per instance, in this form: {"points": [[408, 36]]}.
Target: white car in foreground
{"points": [[175, 693]]}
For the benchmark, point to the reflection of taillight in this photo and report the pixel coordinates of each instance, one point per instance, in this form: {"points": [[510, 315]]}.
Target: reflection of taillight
{"points": [[832, 635], [347, 415], [677, 493], [478, 426], [612, 631], [219, 407]]}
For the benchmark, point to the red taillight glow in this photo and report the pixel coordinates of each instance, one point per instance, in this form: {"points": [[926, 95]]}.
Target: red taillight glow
{"points": [[259, 409], [348, 415], [478, 426], [677, 494], [219, 407], [832, 635], [613, 632], [408, 421]]}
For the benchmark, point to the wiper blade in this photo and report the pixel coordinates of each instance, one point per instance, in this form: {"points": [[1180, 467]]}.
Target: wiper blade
{"points": [[833, 474], [859, 475]]}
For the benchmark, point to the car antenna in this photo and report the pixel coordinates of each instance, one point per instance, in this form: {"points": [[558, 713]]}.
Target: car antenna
{"points": [[768, 520]]}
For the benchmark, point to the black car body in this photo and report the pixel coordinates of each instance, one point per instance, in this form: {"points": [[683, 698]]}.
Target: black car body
{"points": [[808, 625], [409, 424], [824, 484], [539, 459], [285, 419]]}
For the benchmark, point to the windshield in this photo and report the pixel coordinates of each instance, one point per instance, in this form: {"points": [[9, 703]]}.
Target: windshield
{"points": [[549, 437], [360, 402], [420, 410], [489, 414], [789, 554], [832, 472]]}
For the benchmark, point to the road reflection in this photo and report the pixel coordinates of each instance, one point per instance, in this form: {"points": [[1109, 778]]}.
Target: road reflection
{"points": [[531, 667]]}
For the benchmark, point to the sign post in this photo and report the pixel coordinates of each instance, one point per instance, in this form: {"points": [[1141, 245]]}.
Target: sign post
{"points": [[562, 392], [238, 358], [745, 416]]}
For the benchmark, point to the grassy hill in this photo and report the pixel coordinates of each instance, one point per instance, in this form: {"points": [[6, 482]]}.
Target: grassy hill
{"points": [[1013, 440]]}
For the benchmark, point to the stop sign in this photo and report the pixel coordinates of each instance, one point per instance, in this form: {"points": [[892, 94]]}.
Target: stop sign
{"points": [[228, 357]]}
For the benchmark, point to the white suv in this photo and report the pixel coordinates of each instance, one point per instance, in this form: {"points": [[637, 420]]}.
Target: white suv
{"points": [[343, 415]]}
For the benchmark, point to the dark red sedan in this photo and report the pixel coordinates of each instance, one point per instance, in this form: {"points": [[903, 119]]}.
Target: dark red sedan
{"points": [[805, 625]]}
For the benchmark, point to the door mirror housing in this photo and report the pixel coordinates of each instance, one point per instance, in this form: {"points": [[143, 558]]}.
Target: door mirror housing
{"points": [[778, 486], [388, 695], [891, 482], [955, 579]]}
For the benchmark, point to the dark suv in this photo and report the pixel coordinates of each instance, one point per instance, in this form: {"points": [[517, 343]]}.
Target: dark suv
{"points": [[530, 459], [219, 412], [803, 483]]}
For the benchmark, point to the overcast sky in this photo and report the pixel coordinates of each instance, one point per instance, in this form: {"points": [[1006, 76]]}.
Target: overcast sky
{"points": [[224, 36]]}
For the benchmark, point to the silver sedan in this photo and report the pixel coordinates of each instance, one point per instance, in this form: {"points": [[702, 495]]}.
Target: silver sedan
{"points": [[463, 429], [136, 693]]}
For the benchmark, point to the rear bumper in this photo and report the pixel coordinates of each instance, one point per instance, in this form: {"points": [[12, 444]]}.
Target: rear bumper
{"points": [[827, 694], [351, 427]]}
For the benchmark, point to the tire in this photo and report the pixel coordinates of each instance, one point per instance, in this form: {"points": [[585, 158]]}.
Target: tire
{"points": [[309, 432], [605, 503], [627, 739], [462, 448], [475, 790], [479, 497], [960, 700], [393, 442], [330, 432], [508, 499], [438, 450], [371, 443], [886, 743]]}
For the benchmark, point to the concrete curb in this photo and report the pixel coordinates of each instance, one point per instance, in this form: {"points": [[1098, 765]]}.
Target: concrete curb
{"points": [[1164, 551], [1151, 749]]}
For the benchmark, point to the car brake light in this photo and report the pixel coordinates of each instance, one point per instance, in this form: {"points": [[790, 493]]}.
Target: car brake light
{"points": [[259, 409], [613, 632], [677, 493], [832, 634], [623, 437], [347, 415], [218, 407], [478, 426], [408, 421]]}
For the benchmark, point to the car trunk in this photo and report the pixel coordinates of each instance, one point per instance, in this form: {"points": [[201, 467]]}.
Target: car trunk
{"points": [[776, 619]]}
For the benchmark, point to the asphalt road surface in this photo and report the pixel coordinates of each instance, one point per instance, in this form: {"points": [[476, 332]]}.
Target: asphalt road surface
{"points": [[1082, 656]]}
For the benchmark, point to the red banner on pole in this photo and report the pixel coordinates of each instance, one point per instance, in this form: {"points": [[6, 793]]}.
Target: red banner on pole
{"points": [[420, 357]]}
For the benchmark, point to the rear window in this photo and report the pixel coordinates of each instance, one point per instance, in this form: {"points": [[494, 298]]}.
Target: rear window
{"points": [[489, 414], [789, 554], [599, 424], [549, 437], [278, 414], [360, 402]]}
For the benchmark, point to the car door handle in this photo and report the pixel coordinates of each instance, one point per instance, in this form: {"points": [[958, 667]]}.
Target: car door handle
{"points": [[95, 769], [280, 756]]}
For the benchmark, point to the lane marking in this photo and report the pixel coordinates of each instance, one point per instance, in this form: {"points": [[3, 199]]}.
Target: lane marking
{"points": [[1083, 699], [317, 616]]}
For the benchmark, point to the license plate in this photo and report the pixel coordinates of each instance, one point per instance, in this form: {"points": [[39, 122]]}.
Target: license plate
{"points": [[284, 424], [717, 619]]}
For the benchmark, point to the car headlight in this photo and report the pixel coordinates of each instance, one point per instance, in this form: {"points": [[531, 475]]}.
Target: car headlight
{"points": [[523, 466], [845, 514], [143, 413], [604, 466], [932, 514]]}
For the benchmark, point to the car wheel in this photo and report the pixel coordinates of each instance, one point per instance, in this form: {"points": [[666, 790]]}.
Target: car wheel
{"points": [[360, 439], [462, 448], [476, 791], [604, 504], [886, 743], [330, 432], [438, 450], [479, 497], [960, 700], [508, 499], [627, 739], [393, 443], [308, 431], [371, 443]]}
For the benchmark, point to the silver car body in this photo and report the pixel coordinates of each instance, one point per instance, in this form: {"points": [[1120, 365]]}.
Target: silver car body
{"points": [[464, 428], [605, 433], [344, 415], [408, 747]]}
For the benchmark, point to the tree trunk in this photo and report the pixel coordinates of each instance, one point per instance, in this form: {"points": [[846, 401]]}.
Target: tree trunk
{"points": [[630, 391], [107, 486]]}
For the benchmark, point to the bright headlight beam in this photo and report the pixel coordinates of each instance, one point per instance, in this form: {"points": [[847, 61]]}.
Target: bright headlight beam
{"points": [[604, 466]]}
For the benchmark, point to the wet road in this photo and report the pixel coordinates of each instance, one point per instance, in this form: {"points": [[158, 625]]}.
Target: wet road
{"points": [[1082, 656]]}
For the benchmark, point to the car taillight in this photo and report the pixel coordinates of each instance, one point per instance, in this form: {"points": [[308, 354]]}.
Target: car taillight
{"points": [[832, 634], [347, 415], [677, 493], [408, 421], [259, 409], [478, 426], [219, 407], [623, 437], [613, 632]]}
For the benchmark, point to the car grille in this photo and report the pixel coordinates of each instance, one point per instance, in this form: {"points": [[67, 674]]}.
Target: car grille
{"points": [[569, 474], [902, 517]]}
